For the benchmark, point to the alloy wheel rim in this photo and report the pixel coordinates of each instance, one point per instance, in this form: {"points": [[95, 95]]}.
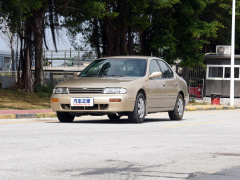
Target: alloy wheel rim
{"points": [[180, 107], [141, 108]]}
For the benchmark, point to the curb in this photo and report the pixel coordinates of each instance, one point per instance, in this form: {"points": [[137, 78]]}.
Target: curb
{"points": [[212, 108], [53, 114], [26, 116]]}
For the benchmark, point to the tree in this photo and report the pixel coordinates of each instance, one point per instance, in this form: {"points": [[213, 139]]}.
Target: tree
{"points": [[179, 29], [172, 29], [28, 19], [221, 12], [12, 12], [180, 32], [114, 26], [158, 39]]}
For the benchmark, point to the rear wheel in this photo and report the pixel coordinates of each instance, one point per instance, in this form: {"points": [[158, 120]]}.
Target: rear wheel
{"points": [[178, 111], [65, 117], [138, 114], [113, 117]]}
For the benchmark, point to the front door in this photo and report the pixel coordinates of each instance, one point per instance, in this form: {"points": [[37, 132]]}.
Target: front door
{"points": [[171, 82], [156, 89]]}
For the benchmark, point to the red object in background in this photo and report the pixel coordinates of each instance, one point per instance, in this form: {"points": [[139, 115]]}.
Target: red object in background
{"points": [[196, 91], [191, 90], [215, 99]]}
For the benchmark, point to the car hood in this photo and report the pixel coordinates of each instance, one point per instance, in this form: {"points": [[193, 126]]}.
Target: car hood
{"points": [[98, 82]]}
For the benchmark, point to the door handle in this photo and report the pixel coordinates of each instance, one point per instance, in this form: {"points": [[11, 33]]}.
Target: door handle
{"points": [[164, 84], [176, 83]]}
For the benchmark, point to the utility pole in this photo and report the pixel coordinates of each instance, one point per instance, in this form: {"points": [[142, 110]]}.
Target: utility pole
{"points": [[232, 55]]}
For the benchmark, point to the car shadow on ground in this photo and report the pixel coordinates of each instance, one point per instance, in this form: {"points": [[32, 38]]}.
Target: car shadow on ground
{"points": [[120, 121]]}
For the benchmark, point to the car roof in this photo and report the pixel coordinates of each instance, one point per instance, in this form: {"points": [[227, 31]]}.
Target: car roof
{"points": [[131, 57]]}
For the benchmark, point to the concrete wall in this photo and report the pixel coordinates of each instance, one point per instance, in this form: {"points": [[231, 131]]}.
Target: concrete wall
{"points": [[221, 87], [50, 79], [7, 81]]}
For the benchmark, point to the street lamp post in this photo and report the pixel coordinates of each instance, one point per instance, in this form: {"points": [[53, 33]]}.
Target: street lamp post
{"points": [[232, 55]]}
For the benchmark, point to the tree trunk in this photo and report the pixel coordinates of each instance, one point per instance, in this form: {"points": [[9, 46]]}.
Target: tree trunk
{"points": [[116, 31], [123, 18], [19, 83], [185, 73], [130, 47], [26, 71], [109, 32], [104, 39], [96, 37], [38, 32]]}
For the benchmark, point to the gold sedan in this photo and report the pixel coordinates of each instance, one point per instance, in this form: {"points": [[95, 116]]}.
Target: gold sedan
{"points": [[124, 85]]}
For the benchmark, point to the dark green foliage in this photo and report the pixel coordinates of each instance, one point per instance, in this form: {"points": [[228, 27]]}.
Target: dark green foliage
{"points": [[29, 19], [179, 29], [173, 29]]}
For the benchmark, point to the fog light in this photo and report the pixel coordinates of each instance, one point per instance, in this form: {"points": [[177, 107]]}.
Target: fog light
{"points": [[115, 100], [54, 100]]}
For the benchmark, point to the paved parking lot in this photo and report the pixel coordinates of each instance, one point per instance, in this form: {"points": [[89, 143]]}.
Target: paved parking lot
{"points": [[203, 144]]}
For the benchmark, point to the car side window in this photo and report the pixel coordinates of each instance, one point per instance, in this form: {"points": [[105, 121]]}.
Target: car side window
{"points": [[166, 71], [154, 67]]}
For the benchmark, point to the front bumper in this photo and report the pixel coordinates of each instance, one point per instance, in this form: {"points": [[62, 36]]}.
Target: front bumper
{"points": [[101, 103]]}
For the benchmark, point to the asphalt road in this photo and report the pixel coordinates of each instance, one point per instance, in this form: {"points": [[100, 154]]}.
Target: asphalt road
{"points": [[204, 145]]}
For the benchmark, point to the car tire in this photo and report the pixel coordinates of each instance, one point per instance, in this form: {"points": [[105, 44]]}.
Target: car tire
{"points": [[65, 117], [178, 111], [138, 114], [113, 116]]}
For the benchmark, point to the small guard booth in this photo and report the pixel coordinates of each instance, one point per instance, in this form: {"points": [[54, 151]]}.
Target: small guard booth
{"points": [[218, 75]]}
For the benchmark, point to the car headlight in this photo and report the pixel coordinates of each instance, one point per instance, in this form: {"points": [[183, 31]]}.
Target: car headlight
{"points": [[115, 91], [60, 90]]}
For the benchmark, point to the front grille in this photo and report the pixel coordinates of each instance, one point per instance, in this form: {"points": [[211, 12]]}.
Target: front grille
{"points": [[95, 107], [85, 90]]}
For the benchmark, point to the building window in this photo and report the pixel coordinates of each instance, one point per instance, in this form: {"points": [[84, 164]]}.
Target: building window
{"points": [[215, 72], [222, 72], [236, 72], [227, 73]]}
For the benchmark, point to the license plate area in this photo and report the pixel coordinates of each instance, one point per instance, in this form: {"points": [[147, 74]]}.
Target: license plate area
{"points": [[76, 102]]}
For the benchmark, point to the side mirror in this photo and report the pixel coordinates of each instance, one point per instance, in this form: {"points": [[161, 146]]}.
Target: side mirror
{"points": [[75, 74], [155, 75]]}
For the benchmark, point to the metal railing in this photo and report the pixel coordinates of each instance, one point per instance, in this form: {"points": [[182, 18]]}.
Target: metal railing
{"points": [[67, 57], [8, 73], [195, 87]]}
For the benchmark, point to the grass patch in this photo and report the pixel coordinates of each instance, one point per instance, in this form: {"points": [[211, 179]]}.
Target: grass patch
{"points": [[193, 102], [196, 103], [18, 99]]}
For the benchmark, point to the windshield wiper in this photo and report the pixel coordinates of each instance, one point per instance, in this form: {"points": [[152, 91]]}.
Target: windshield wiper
{"points": [[116, 75], [89, 76], [103, 76]]}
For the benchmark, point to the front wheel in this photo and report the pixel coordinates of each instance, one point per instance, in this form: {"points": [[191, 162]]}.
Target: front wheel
{"points": [[138, 114], [178, 111], [65, 117]]}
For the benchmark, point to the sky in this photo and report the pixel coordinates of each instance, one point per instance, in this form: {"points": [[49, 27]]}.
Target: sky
{"points": [[62, 42]]}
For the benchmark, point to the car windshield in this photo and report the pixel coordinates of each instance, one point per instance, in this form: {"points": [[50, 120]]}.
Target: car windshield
{"points": [[116, 67]]}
